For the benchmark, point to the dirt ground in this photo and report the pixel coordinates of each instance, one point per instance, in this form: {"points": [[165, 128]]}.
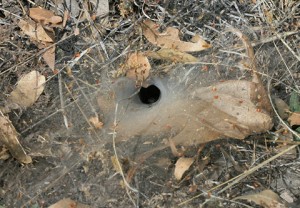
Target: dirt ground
{"points": [[79, 162]]}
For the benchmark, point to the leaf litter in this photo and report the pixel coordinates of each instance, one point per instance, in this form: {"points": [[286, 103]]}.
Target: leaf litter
{"points": [[234, 108], [181, 166], [136, 67], [44, 16], [266, 198], [213, 96], [26, 93], [36, 31], [9, 137], [28, 90], [41, 30], [170, 38]]}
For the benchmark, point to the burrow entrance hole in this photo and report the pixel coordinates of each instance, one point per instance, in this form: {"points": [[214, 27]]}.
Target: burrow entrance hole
{"points": [[149, 95]]}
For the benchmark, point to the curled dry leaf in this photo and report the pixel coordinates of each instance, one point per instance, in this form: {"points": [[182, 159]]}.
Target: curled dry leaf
{"points": [[68, 203], [170, 38], [137, 67], [49, 56], [266, 199], [294, 119], [28, 90], [36, 31], [181, 166], [9, 137], [172, 55], [44, 16], [95, 122]]}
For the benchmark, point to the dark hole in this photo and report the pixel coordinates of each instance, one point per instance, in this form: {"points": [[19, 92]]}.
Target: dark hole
{"points": [[149, 95]]}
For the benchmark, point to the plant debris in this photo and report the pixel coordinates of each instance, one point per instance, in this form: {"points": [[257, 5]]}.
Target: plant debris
{"points": [[137, 67], [266, 198], [181, 166], [9, 137], [36, 31], [44, 16], [170, 38], [28, 90], [171, 55], [68, 203], [94, 120], [189, 123]]}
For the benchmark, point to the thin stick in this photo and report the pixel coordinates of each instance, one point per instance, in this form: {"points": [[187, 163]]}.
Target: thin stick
{"points": [[62, 102], [252, 170], [291, 50]]}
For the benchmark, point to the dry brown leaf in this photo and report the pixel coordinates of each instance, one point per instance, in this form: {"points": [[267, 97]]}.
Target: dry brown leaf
{"points": [[9, 137], [68, 203], [137, 67], [44, 16], [170, 38], [28, 89], [49, 56], [36, 31], [95, 122], [171, 55], [181, 166], [294, 119], [266, 199]]}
